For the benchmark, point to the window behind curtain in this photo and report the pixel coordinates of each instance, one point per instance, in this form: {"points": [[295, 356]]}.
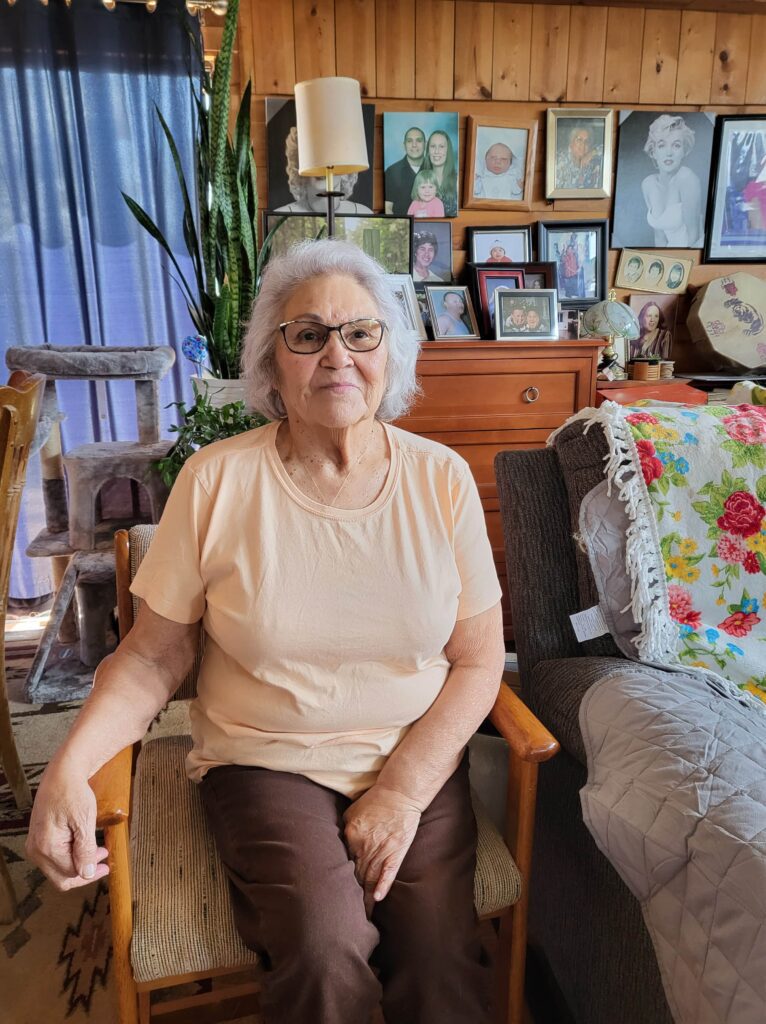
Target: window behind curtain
{"points": [[78, 88]]}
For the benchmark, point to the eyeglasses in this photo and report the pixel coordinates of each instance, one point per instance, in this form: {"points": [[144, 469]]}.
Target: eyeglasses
{"points": [[307, 336]]}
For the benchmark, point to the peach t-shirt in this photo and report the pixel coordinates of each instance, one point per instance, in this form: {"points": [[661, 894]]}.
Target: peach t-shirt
{"points": [[325, 627]]}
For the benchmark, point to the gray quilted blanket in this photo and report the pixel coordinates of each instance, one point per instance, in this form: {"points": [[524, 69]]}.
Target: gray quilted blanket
{"points": [[676, 800]]}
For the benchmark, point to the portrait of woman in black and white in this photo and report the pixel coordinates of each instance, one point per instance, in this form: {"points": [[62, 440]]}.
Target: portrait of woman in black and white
{"points": [[663, 167]]}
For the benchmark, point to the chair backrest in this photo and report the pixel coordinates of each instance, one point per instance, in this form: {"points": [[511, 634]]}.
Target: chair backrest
{"points": [[20, 402], [539, 555], [130, 548]]}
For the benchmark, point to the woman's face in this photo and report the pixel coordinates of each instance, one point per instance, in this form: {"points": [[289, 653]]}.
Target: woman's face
{"points": [[332, 388], [651, 318], [424, 255], [669, 152], [315, 202], [437, 149], [580, 144]]}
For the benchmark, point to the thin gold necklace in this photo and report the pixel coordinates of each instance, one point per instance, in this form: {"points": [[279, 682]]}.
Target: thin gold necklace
{"points": [[356, 462]]}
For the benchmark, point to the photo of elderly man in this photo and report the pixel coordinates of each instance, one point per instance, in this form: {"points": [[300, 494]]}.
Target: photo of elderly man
{"points": [[400, 176]]}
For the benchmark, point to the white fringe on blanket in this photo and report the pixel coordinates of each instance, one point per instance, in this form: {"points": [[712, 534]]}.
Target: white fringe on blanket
{"points": [[657, 640]]}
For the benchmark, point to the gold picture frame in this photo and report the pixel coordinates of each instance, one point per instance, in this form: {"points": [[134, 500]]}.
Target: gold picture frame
{"points": [[500, 188], [579, 147]]}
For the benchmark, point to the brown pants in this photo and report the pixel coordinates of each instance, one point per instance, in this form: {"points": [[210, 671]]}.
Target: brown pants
{"points": [[297, 902]]}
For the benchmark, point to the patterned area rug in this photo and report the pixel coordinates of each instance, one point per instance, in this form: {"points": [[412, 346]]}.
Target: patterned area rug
{"points": [[55, 958]]}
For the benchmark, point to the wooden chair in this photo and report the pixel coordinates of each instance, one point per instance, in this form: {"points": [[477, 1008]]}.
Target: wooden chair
{"points": [[171, 921], [19, 408]]}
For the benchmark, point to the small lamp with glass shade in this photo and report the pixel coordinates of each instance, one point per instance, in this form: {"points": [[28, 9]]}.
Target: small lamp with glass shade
{"points": [[610, 319], [330, 130]]}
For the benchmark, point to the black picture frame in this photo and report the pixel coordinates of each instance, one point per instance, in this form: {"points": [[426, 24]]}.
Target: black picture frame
{"points": [[549, 250], [727, 203], [475, 234], [394, 254]]}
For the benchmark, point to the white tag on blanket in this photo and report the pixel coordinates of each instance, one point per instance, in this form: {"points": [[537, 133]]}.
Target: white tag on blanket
{"points": [[589, 624]]}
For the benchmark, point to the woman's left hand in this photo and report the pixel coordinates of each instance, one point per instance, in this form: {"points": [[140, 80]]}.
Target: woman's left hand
{"points": [[380, 827]]}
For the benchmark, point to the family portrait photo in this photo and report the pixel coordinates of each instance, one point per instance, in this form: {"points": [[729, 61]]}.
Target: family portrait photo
{"points": [[663, 171], [290, 192], [432, 251], [578, 248], [420, 164], [499, 164], [527, 314], [656, 316], [386, 239], [452, 313], [737, 215], [652, 272], [579, 154], [499, 245]]}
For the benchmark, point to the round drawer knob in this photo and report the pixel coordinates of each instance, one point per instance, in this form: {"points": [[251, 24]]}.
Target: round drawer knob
{"points": [[531, 394]]}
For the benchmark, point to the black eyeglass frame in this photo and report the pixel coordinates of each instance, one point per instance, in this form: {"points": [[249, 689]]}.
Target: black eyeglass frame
{"points": [[336, 327]]}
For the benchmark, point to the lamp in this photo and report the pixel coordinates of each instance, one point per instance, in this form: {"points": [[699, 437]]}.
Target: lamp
{"points": [[330, 133], [610, 319]]}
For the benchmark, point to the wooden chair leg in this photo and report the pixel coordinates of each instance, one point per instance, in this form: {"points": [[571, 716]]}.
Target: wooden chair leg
{"points": [[121, 913], [9, 755], [144, 1007], [7, 895]]}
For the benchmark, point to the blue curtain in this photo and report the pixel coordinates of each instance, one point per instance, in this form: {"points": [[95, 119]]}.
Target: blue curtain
{"points": [[78, 88]]}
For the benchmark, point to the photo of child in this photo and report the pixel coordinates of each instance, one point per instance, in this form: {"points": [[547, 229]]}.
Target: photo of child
{"points": [[499, 165], [425, 201]]}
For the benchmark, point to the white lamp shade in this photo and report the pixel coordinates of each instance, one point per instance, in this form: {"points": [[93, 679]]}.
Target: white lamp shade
{"points": [[330, 127]]}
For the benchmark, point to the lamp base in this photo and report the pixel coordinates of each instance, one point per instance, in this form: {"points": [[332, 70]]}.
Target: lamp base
{"points": [[331, 195]]}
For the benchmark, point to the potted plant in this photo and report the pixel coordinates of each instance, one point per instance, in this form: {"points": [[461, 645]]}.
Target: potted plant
{"points": [[221, 235]]}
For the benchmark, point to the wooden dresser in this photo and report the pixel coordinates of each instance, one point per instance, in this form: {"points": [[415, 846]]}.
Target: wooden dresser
{"points": [[482, 397]]}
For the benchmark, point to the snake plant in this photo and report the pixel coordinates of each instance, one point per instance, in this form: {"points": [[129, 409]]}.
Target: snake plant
{"points": [[219, 212]]}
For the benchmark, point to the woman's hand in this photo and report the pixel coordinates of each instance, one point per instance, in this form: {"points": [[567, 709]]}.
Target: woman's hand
{"points": [[380, 827], [62, 830]]}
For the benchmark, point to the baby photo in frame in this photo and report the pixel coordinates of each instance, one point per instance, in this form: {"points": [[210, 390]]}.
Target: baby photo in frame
{"points": [[502, 244], [499, 165], [452, 313]]}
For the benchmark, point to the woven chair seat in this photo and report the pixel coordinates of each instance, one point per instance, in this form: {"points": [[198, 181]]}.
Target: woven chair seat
{"points": [[182, 918]]}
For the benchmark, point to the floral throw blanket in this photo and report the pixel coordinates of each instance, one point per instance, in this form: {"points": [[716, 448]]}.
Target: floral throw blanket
{"points": [[693, 479]]}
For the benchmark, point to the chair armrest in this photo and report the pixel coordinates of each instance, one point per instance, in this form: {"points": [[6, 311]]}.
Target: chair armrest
{"points": [[112, 784], [527, 737]]}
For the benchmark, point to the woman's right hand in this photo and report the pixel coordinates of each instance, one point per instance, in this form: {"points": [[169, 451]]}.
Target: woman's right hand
{"points": [[62, 830]]}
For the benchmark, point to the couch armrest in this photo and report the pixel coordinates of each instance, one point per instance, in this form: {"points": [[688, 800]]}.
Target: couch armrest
{"points": [[526, 736], [555, 690], [112, 784]]}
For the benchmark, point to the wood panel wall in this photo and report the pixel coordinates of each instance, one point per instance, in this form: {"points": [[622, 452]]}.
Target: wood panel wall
{"points": [[503, 60]]}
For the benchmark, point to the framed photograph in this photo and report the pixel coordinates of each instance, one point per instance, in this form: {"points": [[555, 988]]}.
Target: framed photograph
{"points": [[451, 311], [386, 239], [539, 275], [431, 251], [404, 293], [499, 164], [527, 314], [421, 163], [663, 169], [579, 153], [579, 250], [486, 281], [652, 272], [502, 244], [736, 214], [290, 192], [657, 319], [569, 324]]}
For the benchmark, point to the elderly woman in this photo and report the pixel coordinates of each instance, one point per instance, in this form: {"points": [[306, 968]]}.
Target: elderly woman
{"points": [[341, 570], [673, 195], [305, 191]]}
